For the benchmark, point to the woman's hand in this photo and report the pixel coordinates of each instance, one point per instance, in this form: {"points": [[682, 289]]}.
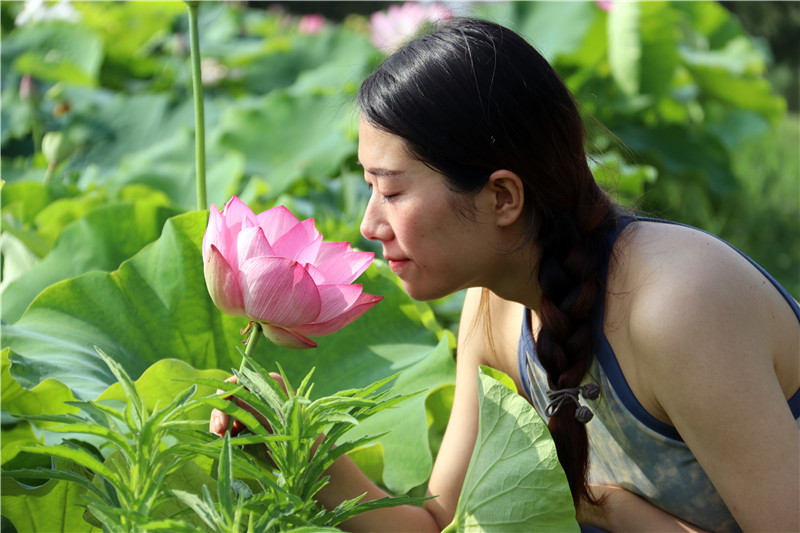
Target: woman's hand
{"points": [[220, 422]]}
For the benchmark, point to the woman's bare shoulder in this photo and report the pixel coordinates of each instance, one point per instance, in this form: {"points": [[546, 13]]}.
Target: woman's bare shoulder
{"points": [[677, 293]]}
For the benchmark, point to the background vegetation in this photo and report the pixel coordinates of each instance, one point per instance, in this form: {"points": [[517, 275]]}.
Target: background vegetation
{"points": [[100, 239]]}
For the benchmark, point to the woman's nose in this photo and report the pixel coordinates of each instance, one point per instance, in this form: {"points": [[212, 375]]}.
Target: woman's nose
{"points": [[373, 226]]}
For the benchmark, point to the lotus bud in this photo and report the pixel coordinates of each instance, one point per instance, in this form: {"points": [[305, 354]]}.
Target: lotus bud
{"points": [[277, 271], [27, 88], [56, 147]]}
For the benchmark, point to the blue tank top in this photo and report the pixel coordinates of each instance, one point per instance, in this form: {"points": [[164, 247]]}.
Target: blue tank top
{"points": [[627, 445]]}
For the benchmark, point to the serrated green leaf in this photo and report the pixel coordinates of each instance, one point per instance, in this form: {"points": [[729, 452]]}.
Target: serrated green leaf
{"points": [[225, 479]]}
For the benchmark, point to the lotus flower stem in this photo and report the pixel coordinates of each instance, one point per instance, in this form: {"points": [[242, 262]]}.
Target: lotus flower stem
{"points": [[252, 340], [199, 113]]}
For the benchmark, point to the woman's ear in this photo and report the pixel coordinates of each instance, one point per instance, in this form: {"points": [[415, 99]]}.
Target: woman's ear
{"points": [[507, 196]]}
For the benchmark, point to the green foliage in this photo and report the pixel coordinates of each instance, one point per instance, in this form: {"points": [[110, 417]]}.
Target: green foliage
{"points": [[126, 488], [514, 460], [133, 485]]}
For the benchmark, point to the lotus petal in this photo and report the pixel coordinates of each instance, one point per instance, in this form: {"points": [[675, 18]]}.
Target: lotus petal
{"points": [[213, 230], [286, 338], [276, 222], [279, 291], [223, 284], [343, 267], [361, 306], [336, 300], [301, 243], [252, 243]]}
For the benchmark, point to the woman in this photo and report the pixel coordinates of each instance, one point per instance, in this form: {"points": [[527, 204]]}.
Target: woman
{"points": [[473, 149]]}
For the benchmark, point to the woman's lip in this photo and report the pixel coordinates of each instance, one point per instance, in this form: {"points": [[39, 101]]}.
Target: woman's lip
{"points": [[396, 264]]}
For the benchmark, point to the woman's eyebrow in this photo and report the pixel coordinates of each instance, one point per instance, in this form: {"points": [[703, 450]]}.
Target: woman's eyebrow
{"points": [[381, 171]]}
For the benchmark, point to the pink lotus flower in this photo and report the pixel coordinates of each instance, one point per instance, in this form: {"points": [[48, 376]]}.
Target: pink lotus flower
{"points": [[390, 30], [278, 272], [311, 24]]}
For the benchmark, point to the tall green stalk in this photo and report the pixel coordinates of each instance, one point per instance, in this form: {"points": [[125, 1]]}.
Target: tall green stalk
{"points": [[199, 112]]}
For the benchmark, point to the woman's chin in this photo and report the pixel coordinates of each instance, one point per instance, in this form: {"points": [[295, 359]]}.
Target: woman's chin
{"points": [[423, 294]]}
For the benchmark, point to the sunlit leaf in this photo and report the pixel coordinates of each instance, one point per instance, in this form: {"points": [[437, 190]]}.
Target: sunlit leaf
{"points": [[514, 481]]}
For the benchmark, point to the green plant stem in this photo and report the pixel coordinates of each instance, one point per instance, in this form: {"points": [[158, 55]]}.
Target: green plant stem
{"points": [[199, 112], [252, 340], [48, 175]]}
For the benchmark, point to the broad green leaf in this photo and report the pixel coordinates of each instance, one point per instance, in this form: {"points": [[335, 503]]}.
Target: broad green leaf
{"points": [[310, 136], [329, 60], [130, 124], [680, 152], [407, 442], [57, 51], [48, 397], [130, 31], [514, 481], [56, 505], [534, 20], [642, 46], [25, 199], [742, 92], [625, 46], [161, 383], [105, 237]]}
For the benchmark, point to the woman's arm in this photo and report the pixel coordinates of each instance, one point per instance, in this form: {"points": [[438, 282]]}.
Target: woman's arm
{"points": [[451, 464], [625, 511]]}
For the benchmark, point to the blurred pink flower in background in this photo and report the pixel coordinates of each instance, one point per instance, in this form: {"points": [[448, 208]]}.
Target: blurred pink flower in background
{"points": [[277, 271], [393, 28], [605, 5], [311, 24]]}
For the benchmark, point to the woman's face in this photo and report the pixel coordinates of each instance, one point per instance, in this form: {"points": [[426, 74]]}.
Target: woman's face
{"points": [[432, 249]]}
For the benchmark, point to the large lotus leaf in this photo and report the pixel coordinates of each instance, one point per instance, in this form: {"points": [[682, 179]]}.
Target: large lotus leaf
{"points": [[56, 51], [534, 21], [130, 31], [407, 441], [114, 126], [514, 481], [169, 167], [99, 241], [743, 92], [154, 307], [642, 46], [676, 151], [345, 57], [55, 506], [25, 199], [287, 137]]}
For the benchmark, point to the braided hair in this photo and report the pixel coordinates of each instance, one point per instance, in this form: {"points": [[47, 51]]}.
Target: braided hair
{"points": [[470, 97]]}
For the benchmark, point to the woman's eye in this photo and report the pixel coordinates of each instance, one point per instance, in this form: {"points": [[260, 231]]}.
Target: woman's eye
{"points": [[388, 197]]}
